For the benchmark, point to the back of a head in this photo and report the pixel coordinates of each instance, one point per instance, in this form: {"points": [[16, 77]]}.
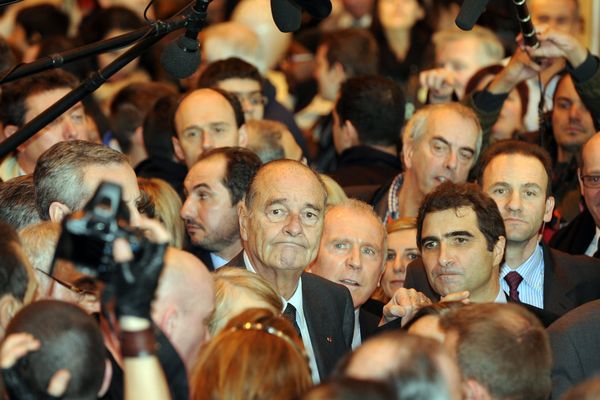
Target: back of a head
{"points": [[130, 106], [504, 348], [70, 339], [13, 273], [59, 173], [344, 388], [17, 202], [264, 139], [354, 49], [158, 128], [232, 284], [411, 363], [231, 39], [257, 355], [39, 242], [375, 106], [229, 68]]}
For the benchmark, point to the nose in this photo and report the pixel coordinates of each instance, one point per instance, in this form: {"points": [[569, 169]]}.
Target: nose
{"points": [[353, 260], [293, 227], [444, 256], [135, 216], [452, 160], [68, 129], [575, 112], [186, 209], [400, 266], [514, 203], [207, 141]]}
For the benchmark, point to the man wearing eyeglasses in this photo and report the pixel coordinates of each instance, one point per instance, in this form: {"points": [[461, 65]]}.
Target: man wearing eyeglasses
{"points": [[581, 236]]}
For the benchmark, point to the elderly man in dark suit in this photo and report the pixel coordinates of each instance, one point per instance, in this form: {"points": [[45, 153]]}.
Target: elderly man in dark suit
{"points": [[281, 221]]}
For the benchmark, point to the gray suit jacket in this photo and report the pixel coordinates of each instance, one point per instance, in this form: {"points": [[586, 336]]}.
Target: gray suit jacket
{"points": [[575, 346], [329, 314]]}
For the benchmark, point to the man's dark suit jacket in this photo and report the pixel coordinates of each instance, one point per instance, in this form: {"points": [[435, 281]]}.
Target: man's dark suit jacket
{"points": [[576, 236], [575, 346], [368, 323], [329, 315], [569, 281]]}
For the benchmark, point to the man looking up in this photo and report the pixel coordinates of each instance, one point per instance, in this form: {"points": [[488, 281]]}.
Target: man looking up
{"points": [[281, 221], [352, 253], [517, 175], [207, 119], [440, 143], [215, 186]]}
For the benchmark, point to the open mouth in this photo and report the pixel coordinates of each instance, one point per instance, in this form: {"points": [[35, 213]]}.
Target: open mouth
{"points": [[349, 282], [441, 179]]}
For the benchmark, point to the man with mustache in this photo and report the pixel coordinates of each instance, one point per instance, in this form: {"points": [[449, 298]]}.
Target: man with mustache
{"points": [[214, 188]]}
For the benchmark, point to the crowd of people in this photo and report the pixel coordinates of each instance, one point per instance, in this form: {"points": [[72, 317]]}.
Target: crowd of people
{"points": [[377, 206]]}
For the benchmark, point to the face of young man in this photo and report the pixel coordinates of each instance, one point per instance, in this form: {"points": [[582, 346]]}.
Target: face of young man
{"points": [[249, 94], [205, 120], [351, 252], [456, 256], [210, 218], [518, 183]]}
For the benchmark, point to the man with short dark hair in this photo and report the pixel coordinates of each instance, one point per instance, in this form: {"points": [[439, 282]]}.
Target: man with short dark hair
{"points": [[368, 119], [24, 100], [502, 351], [214, 187], [518, 176], [67, 175], [341, 55], [281, 221]]}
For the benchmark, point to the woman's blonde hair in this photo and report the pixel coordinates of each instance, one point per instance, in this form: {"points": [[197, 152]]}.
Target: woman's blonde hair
{"points": [[229, 283], [258, 355], [159, 200], [335, 193]]}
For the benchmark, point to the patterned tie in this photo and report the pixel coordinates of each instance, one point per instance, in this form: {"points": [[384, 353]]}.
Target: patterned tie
{"points": [[513, 279], [290, 314]]}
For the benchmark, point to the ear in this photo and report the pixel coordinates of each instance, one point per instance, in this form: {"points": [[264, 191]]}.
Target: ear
{"points": [[549, 208], [243, 220], [58, 211], [178, 149], [10, 130], [168, 322], [338, 72], [243, 136], [408, 150], [498, 250], [138, 136], [579, 173], [350, 134], [108, 372], [8, 308]]}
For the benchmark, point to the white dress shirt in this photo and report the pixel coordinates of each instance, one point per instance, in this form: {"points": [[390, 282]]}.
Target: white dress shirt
{"points": [[531, 288]]}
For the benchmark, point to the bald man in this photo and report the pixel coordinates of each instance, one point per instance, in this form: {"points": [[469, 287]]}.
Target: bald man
{"points": [[184, 302]]}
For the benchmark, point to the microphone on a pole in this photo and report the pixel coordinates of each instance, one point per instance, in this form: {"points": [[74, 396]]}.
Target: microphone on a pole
{"points": [[287, 14], [469, 13], [181, 57]]}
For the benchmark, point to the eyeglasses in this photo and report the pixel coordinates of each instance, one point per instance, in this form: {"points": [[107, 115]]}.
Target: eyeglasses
{"points": [[591, 181], [254, 98], [82, 294]]}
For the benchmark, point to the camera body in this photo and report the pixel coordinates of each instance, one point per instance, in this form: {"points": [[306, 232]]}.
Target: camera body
{"points": [[88, 235]]}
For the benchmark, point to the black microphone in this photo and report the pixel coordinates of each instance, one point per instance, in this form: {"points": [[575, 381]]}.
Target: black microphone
{"points": [[527, 29], [181, 57], [287, 14], [469, 13]]}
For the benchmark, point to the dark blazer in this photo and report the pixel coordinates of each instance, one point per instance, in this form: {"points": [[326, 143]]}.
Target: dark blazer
{"points": [[575, 346], [368, 323], [365, 165], [576, 236], [329, 315], [203, 255], [569, 281]]}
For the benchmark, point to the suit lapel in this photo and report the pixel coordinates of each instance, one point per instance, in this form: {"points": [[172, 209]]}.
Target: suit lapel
{"points": [[557, 285]]}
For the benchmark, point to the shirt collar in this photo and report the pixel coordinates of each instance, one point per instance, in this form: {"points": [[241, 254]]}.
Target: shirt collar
{"points": [[531, 270]]}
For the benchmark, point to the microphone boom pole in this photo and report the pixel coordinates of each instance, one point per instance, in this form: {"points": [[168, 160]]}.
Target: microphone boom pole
{"points": [[526, 24], [152, 35]]}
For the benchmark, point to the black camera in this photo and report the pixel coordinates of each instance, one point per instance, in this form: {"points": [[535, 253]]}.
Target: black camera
{"points": [[87, 236]]}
